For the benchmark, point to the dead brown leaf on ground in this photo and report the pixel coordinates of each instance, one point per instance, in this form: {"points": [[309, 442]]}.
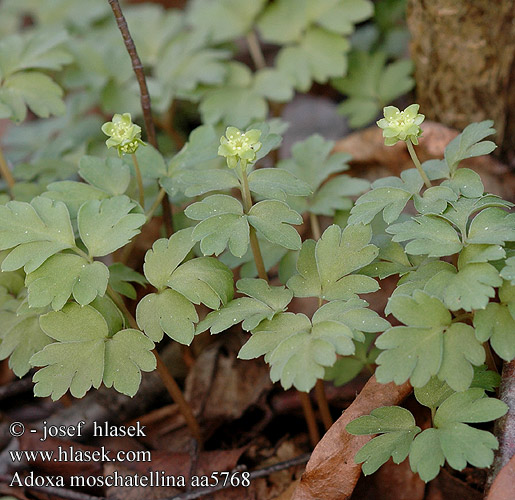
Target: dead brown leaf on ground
{"points": [[448, 487], [331, 473], [503, 487]]}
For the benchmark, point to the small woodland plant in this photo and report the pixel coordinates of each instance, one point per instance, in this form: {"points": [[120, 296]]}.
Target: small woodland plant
{"points": [[64, 248]]}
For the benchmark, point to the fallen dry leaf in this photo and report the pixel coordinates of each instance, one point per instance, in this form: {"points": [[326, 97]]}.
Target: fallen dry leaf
{"points": [[446, 486], [331, 473], [503, 487]]}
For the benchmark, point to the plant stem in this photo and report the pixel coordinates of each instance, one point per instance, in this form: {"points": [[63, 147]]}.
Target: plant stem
{"points": [[309, 415], [417, 163], [144, 97], [6, 173], [139, 179], [315, 226], [255, 50], [323, 406], [167, 379], [156, 203], [254, 243]]}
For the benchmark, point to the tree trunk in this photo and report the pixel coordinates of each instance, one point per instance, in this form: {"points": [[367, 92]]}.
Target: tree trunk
{"points": [[464, 53]]}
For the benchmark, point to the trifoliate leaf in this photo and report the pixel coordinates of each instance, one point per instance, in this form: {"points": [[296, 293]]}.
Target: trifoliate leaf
{"points": [[167, 312], [470, 144], [82, 355], [127, 354], [284, 21], [398, 430], [107, 174], [474, 254], [203, 280], [312, 161], [324, 267], [497, 324], [429, 235], [34, 231], [389, 195], [262, 302], [469, 288], [114, 318], [107, 225], [63, 276], [121, 277], [277, 183], [223, 224], [165, 256], [371, 84], [20, 340], [272, 219]]}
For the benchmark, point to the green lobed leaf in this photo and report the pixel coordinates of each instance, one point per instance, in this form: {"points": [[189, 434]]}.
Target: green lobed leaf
{"points": [[398, 429], [223, 224], [389, 195], [63, 276], [272, 219], [470, 144], [508, 271], [277, 183], [84, 355], [325, 267], [167, 312], [108, 174], [107, 225], [262, 302], [165, 256], [34, 232], [496, 323]]}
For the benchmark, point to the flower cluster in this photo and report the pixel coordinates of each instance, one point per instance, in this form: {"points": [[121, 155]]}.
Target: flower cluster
{"points": [[239, 146], [401, 125], [124, 135]]}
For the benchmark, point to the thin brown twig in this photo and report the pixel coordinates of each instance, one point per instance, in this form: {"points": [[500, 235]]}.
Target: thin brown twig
{"points": [[265, 471], [146, 107], [255, 50]]}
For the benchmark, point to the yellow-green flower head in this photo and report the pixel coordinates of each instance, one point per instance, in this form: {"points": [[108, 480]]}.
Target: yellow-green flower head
{"points": [[239, 146], [401, 125], [124, 135]]}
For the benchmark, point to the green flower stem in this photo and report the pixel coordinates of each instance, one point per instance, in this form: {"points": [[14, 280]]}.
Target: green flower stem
{"points": [[139, 179], [255, 50], [254, 243], [309, 414], [156, 203], [168, 381], [6, 173], [416, 161], [315, 226]]}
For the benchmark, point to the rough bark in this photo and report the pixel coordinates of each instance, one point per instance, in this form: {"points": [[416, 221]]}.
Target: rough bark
{"points": [[464, 54]]}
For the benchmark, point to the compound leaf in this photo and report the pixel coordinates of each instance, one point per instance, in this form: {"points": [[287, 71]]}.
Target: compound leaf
{"points": [[398, 430], [121, 277], [108, 174], [497, 324], [277, 183]]}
